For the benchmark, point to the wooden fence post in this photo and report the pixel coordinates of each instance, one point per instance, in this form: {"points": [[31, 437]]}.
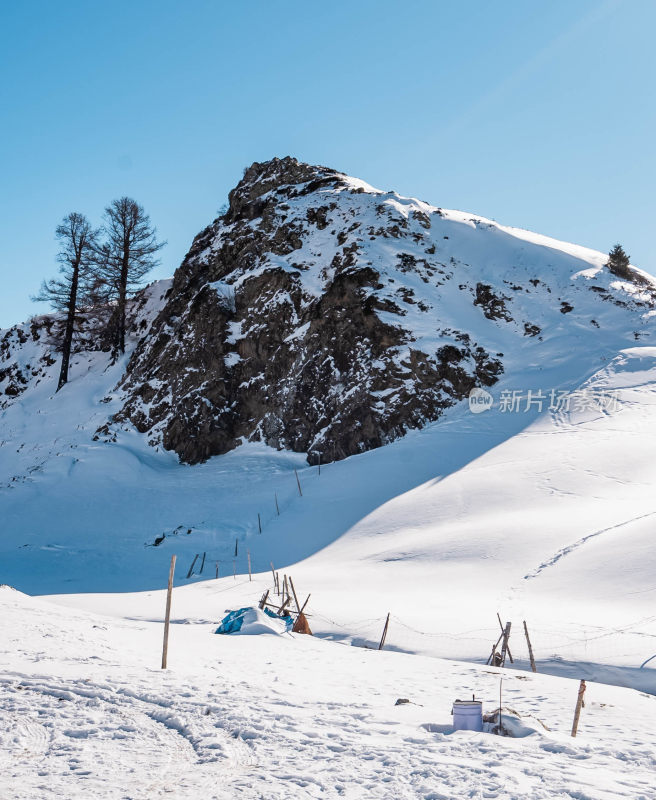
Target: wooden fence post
{"points": [[191, 568], [167, 616], [236, 547], [248, 556], [298, 483], [217, 569], [275, 494], [202, 564], [530, 649], [382, 641], [504, 646], [577, 711], [490, 658], [502, 631], [259, 523], [291, 583]]}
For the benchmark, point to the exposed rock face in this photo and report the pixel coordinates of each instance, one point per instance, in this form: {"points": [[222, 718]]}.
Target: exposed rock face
{"points": [[273, 330]]}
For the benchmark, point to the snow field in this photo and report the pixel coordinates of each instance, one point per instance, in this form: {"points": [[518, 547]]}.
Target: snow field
{"points": [[86, 713]]}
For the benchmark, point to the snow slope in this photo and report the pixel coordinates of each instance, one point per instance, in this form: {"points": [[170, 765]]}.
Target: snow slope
{"points": [[86, 713]]}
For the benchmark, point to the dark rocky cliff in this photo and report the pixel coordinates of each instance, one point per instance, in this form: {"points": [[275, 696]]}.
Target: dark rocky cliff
{"points": [[273, 328]]}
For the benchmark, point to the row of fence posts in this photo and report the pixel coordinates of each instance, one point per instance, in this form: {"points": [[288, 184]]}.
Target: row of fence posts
{"points": [[190, 572], [505, 630], [217, 563], [276, 583], [259, 530]]}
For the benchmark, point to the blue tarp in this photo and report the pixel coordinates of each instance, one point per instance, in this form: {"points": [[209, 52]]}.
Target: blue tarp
{"points": [[233, 620], [289, 622]]}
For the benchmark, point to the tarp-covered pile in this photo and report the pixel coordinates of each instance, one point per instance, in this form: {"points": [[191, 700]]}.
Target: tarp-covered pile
{"points": [[251, 620]]}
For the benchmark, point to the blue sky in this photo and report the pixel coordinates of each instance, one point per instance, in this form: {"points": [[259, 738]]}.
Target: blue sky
{"points": [[537, 114]]}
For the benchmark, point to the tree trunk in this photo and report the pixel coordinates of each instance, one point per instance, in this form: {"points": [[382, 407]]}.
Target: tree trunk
{"points": [[122, 298], [70, 323]]}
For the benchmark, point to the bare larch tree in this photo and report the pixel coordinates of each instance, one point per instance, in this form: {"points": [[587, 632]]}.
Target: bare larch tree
{"points": [[68, 293], [125, 256]]}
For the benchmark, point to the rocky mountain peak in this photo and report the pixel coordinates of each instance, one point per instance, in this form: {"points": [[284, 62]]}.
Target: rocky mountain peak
{"points": [[276, 174]]}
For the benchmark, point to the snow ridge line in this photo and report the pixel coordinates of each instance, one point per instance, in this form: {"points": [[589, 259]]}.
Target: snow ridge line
{"points": [[575, 545]]}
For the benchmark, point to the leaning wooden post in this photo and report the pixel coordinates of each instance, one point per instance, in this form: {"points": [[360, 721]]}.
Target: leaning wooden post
{"points": [[382, 641], [275, 494], [502, 632], [217, 569], [202, 564], [530, 649], [504, 646], [236, 547], [248, 556], [291, 583], [577, 712], [284, 603], [191, 568], [259, 523], [298, 483], [167, 616], [490, 659]]}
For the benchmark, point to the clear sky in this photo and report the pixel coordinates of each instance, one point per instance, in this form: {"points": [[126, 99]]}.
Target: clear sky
{"points": [[537, 114]]}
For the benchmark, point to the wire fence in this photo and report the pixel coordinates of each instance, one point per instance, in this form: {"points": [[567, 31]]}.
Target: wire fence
{"points": [[631, 645]]}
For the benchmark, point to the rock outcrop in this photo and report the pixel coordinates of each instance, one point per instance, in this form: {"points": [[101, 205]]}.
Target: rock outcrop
{"points": [[281, 327]]}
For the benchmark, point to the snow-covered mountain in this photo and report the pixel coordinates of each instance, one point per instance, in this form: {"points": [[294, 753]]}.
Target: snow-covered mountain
{"points": [[326, 317], [321, 317]]}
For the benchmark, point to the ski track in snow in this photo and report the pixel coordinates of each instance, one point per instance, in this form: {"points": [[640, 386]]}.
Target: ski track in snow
{"points": [[87, 729], [565, 551]]}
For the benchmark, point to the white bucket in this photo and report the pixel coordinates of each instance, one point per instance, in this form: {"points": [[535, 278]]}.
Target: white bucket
{"points": [[467, 715]]}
